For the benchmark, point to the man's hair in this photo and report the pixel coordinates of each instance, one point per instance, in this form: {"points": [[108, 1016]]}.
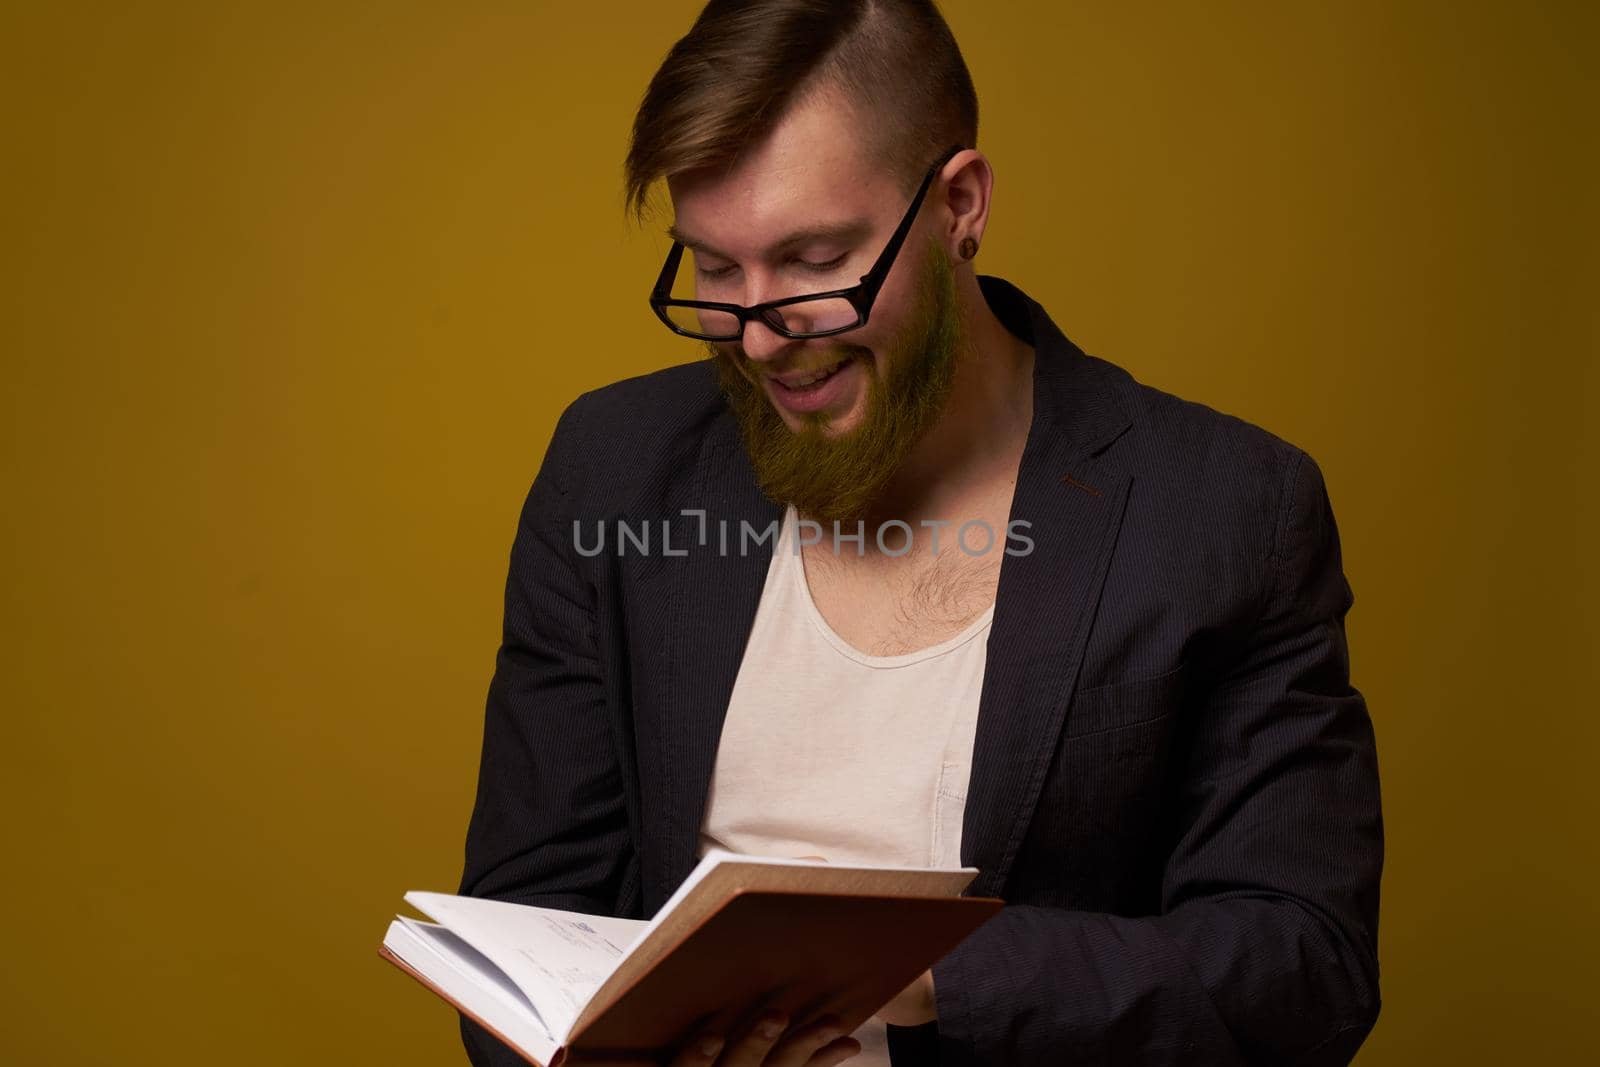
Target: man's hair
{"points": [[730, 79]]}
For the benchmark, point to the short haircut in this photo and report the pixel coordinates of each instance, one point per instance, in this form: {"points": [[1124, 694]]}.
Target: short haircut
{"points": [[728, 82]]}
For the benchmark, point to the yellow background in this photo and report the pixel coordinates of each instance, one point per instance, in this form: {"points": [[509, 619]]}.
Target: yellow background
{"points": [[294, 292]]}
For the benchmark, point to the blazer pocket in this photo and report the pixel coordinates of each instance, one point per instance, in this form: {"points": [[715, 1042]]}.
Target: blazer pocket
{"points": [[1108, 707]]}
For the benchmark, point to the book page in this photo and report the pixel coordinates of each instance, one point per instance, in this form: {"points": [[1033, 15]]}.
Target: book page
{"points": [[473, 984], [557, 958], [456, 953]]}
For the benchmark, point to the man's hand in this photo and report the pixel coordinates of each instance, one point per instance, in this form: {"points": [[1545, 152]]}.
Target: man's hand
{"points": [[764, 1043], [913, 1005]]}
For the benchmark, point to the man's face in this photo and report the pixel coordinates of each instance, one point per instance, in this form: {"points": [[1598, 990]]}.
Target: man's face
{"points": [[831, 474], [832, 445]]}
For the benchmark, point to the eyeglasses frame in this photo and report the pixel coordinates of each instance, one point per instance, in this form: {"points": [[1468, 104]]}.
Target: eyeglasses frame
{"points": [[860, 296]]}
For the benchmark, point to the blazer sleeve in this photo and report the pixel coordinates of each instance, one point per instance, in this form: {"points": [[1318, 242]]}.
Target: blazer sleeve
{"points": [[549, 824], [1265, 948]]}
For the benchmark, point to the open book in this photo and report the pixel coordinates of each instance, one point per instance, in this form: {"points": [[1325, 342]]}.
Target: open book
{"points": [[741, 934]]}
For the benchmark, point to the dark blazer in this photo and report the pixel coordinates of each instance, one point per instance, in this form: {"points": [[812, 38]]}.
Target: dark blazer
{"points": [[1174, 785]]}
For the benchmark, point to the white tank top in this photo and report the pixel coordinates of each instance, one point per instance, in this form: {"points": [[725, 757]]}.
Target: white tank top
{"points": [[827, 751]]}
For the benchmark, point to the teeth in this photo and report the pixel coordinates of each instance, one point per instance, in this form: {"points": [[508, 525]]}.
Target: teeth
{"points": [[815, 376]]}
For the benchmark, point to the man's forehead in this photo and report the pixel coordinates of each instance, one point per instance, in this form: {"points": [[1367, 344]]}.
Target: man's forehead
{"points": [[774, 202]]}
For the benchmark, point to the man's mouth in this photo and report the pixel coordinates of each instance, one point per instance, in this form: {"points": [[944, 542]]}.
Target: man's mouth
{"points": [[800, 381]]}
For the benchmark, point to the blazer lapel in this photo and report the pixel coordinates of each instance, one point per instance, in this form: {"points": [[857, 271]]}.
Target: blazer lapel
{"points": [[1046, 599], [715, 592]]}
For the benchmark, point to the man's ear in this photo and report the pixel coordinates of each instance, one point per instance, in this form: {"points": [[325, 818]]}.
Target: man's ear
{"points": [[967, 196]]}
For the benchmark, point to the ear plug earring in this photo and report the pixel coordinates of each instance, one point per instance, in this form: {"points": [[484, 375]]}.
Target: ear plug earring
{"points": [[969, 248]]}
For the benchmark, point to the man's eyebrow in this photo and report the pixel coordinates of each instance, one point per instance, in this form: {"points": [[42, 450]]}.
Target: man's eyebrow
{"points": [[850, 230]]}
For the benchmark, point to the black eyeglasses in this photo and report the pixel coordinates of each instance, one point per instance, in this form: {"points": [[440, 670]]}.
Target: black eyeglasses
{"points": [[811, 315]]}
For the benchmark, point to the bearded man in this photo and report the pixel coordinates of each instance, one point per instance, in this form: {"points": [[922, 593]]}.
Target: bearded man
{"points": [[1004, 605]]}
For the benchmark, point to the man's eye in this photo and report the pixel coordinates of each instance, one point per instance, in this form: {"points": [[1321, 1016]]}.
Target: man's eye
{"points": [[719, 272], [832, 264]]}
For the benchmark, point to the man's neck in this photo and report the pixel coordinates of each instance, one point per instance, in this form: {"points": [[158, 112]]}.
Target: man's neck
{"points": [[971, 454]]}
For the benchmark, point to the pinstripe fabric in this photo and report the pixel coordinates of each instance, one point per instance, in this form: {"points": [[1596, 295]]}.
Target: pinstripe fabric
{"points": [[1174, 785]]}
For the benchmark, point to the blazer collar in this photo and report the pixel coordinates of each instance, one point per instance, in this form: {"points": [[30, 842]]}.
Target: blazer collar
{"points": [[1073, 400], [1073, 499], [1073, 502]]}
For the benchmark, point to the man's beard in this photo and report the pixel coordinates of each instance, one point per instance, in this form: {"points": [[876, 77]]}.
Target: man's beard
{"points": [[840, 478]]}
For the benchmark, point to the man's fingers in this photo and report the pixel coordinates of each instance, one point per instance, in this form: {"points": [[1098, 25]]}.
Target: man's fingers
{"points": [[800, 1046], [699, 1051], [749, 1046], [768, 1041], [834, 1052]]}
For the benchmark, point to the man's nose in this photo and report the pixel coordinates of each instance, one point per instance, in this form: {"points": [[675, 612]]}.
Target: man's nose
{"points": [[761, 343]]}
